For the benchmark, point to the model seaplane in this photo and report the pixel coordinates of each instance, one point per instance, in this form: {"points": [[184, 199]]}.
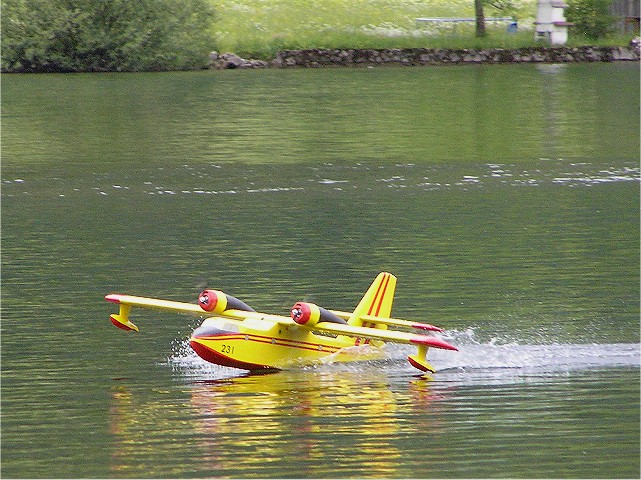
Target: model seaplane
{"points": [[235, 335]]}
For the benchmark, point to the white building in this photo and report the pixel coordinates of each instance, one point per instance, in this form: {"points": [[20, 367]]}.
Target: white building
{"points": [[550, 22]]}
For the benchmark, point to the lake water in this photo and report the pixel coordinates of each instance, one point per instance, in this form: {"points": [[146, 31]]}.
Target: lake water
{"points": [[504, 198]]}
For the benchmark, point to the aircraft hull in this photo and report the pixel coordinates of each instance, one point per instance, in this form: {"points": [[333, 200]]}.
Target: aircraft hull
{"points": [[261, 345]]}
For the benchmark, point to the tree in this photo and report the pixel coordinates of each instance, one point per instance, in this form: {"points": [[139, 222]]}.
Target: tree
{"points": [[504, 6], [480, 18], [104, 35], [591, 18]]}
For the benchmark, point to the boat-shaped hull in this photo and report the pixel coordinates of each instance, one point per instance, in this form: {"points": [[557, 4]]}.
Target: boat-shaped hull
{"points": [[257, 345]]}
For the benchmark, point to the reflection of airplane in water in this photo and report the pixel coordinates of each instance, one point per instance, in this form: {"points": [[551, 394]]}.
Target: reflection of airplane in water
{"points": [[237, 336], [333, 421]]}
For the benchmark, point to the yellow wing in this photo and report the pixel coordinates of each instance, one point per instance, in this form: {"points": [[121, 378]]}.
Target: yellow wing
{"points": [[423, 342], [385, 335], [156, 304], [126, 302]]}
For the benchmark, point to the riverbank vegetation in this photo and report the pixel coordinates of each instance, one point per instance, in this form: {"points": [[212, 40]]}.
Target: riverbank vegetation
{"points": [[263, 28], [256, 28], [114, 35], [120, 35]]}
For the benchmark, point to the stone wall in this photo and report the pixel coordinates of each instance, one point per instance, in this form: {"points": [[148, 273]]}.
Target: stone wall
{"points": [[427, 56]]}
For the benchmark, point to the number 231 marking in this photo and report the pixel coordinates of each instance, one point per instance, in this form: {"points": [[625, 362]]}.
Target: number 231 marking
{"points": [[227, 349]]}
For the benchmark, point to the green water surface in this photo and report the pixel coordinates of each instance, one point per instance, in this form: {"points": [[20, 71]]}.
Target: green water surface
{"points": [[504, 198]]}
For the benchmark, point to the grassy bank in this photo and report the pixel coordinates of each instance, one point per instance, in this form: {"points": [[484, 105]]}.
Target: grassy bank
{"points": [[156, 35], [259, 28]]}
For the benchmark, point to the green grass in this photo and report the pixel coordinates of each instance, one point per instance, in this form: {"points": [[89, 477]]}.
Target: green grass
{"points": [[266, 49], [264, 27], [260, 28]]}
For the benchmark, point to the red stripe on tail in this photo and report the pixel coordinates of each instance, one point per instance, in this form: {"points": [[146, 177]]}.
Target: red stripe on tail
{"points": [[371, 308]]}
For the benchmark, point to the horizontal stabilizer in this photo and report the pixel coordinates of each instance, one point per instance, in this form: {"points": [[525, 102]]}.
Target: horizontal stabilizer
{"points": [[395, 322]]}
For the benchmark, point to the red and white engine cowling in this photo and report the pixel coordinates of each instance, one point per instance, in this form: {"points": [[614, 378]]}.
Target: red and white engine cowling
{"points": [[309, 314], [216, 301]]}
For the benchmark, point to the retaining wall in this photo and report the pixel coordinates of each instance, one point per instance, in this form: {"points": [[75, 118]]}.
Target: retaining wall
{"points": [[426, 56]]}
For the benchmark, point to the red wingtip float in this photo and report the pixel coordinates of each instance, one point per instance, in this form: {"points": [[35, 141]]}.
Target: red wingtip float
{"points": [[235, 335]]}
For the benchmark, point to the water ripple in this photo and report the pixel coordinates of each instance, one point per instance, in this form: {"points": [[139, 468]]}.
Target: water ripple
{"points": [[179, 181]]}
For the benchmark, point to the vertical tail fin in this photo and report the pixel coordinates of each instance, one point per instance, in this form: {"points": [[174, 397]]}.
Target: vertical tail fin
{"points": [[377, 300]]}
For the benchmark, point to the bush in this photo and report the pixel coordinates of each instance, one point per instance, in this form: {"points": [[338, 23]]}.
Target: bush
{"points": [[591, 18], [105, 35]]}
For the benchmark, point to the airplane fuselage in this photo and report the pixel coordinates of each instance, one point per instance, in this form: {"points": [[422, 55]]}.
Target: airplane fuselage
{"points": [[257, 343]]}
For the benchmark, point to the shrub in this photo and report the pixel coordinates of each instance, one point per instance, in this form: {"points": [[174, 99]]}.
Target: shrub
{"points": [[105, 35], [591, 18]]}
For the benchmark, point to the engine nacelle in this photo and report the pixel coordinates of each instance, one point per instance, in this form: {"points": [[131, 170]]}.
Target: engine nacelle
{"points": [[309, 314], [217, 302]]}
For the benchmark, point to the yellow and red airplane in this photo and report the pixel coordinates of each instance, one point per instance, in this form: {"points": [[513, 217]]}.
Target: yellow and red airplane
{"points": [[238, 336]]}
